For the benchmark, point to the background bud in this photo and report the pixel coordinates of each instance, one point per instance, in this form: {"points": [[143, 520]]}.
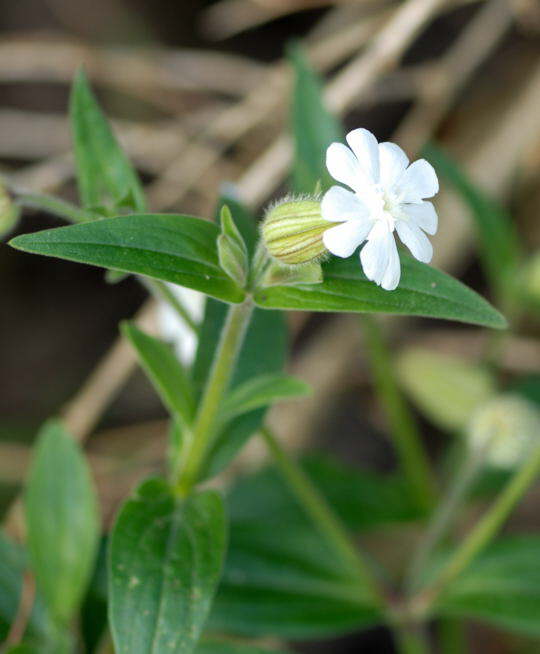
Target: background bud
{"points": [[292, 231], [508, 426]]}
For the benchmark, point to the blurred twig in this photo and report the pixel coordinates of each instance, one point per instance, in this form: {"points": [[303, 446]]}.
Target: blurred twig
{"points": [[384, 50]]}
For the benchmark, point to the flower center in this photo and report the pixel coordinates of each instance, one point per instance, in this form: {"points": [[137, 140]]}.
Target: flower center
{"points": [[385, 207]]}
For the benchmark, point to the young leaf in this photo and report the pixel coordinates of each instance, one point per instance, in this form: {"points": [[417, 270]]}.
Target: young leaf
{"points": [[62, 521], [175, 248], [447, 389], [423, 291], [165, 561], [260, 392], [104, 173], [314, 127], [164, 370], [499, 242], [232, 251], [502, 587]]}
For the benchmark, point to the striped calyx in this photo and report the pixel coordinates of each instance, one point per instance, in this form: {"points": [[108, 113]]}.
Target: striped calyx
{"points": [[292, 231]]}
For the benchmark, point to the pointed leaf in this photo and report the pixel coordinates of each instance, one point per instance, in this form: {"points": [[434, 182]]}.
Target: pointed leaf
{"points": [[165, 561], [62, 521], [164, 370], [260, 392], [104, 172], [423, 291], [175, 248]]}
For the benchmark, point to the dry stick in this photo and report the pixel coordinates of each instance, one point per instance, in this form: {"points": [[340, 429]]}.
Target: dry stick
{"points": [[230, 17], [141, 73], [384, 51], [259, 105], [478, 39]]}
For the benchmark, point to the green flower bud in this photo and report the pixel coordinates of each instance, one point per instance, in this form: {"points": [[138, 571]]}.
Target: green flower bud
{"points": [[9, 212], [508, 427], [292, 231]]}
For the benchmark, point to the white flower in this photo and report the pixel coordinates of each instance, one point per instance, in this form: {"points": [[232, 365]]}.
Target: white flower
{"points": [[387, 194], [174, 329]]}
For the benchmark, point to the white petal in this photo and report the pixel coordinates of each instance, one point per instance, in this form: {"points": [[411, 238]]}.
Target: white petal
{"points": [[423, 215], [392, 273], [343, 239], [419, 181], [375, 253], [343, 165], [339, 205], [365, 147], [415, 239], [393, 162]]}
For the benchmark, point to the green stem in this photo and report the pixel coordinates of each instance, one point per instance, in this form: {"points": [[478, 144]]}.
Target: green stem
{"points": [[443, 515], [231, 340], [487, 527], [55, 206], [406, 438], [161, 289], [321, 513]]}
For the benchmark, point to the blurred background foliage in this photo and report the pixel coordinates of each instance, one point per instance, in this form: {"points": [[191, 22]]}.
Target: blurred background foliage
{"points": [[199, 93]]}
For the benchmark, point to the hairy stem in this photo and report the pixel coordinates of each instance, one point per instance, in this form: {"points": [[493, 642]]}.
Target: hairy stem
{"points": [[232, 337], [321, 513], [405, 436]]}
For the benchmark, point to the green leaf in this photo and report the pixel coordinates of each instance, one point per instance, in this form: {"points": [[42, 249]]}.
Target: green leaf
{"points": [[165, 561], [62, 521], [364, 500], [287, 582], [12, 568], [501, 587], [164, 370], [260, 392], [104, 173], [215, 646], [232, 250], [423, 291], [314, 128], [445, 388], [499, 242], [175, 248], [263, 352]]}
